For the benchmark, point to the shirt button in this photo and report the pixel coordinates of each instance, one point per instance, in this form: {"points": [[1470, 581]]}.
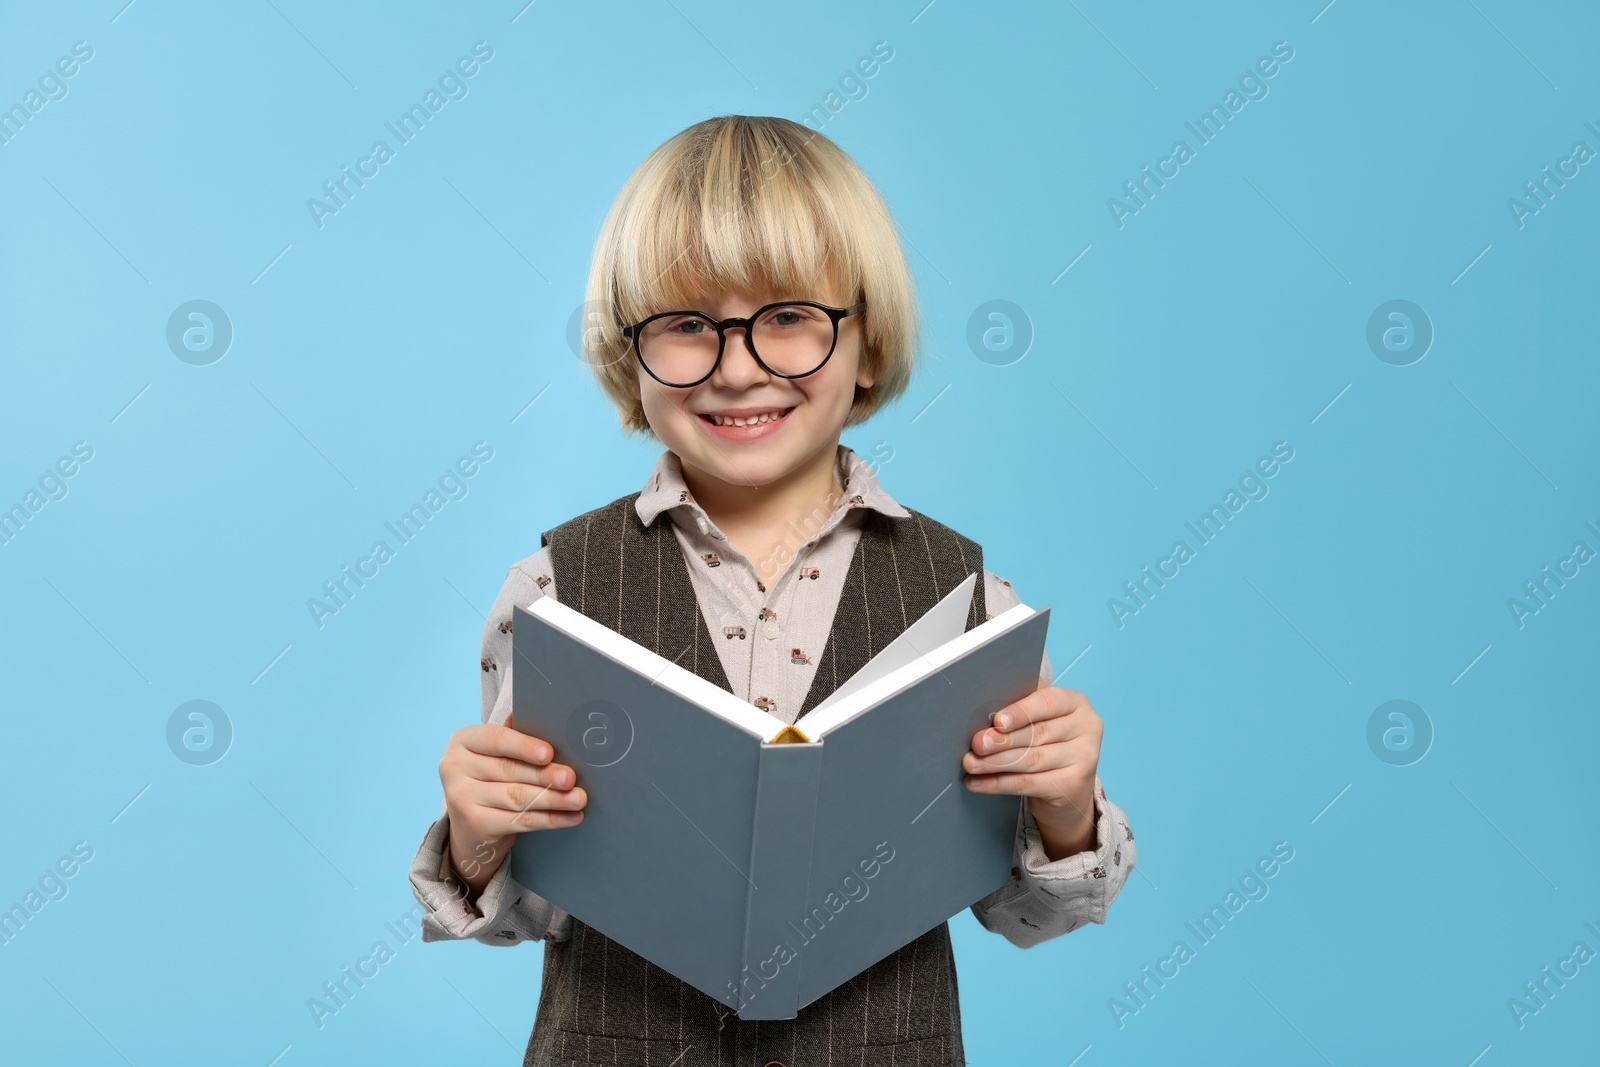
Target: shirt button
{"points": [[770, 630]]}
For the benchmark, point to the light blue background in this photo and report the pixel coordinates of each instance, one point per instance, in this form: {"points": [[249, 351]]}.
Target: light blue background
{"points": [[1227, 315]]}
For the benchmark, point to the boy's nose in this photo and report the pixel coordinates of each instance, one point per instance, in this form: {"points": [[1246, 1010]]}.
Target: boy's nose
{"points": [[738, 363]]}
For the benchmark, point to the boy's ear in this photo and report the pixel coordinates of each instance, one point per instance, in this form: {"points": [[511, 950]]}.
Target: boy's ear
{"points": [[865, 375]]}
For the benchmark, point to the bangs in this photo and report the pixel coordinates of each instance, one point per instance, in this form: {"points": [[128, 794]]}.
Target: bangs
{"points": [[739, 211]]}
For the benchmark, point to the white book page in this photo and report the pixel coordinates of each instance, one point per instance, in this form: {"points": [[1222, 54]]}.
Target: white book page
{"points": [[819, 724], [945, 621], [660, 670]]}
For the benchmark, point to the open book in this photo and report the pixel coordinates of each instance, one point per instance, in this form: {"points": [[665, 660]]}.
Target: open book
{"points": [[762, 863]]}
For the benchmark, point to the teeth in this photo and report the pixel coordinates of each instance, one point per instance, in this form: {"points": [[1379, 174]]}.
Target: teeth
{"points": [[765, 416]]}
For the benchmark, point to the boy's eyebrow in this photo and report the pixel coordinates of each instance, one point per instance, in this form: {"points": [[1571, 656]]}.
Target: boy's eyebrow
{"points": [[758, 302]]}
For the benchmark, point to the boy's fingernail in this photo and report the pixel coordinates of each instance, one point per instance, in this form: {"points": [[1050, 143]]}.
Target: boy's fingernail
{"points": [[1002, 721]]}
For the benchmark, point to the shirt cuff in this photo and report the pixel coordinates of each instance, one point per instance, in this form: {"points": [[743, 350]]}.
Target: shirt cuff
{"points": [[505, 913], [1047, 898]]}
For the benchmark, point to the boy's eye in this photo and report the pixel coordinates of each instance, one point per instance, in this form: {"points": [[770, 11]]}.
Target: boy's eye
{"points": [[686, 325], [792, 316]]}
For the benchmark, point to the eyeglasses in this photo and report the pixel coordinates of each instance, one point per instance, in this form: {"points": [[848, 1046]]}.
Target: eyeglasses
{"points": [[791, 339]]}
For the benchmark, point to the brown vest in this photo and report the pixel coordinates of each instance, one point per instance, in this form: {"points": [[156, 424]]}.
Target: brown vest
{"points": [[601, 1003]]}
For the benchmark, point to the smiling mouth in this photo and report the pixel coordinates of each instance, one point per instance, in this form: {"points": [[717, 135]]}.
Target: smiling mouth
{"points": [[776, 415]]}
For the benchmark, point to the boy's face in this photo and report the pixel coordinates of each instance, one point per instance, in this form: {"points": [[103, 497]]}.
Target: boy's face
{"points": [[814, 407]]}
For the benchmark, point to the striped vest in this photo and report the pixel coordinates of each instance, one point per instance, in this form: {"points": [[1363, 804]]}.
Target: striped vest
{"points": [[601, 1003]]}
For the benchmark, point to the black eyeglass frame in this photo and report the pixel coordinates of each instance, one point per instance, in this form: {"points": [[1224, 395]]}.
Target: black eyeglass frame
{"points": [[633, 332]]}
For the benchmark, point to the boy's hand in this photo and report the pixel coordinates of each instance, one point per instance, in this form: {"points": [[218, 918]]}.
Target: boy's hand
{"points": [[499, 782], [1045, 747]]}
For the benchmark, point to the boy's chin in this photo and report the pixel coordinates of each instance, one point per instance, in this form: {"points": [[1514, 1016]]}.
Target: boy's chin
{"points": [[756, 463]]}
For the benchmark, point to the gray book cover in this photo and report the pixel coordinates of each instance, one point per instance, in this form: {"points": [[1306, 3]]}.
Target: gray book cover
{"points": [[778, 862]]}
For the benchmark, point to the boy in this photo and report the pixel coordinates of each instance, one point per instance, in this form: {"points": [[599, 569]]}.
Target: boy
{"points": [[761, 304]]}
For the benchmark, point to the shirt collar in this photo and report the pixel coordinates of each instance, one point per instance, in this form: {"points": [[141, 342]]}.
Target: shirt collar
{"points": [[665, 491]]}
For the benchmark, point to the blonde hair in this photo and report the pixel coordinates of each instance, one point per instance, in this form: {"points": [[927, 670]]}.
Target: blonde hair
{"points": [[748, 202]]}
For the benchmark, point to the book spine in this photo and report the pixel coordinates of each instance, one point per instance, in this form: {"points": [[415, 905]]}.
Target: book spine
{"points": [[788, 775]]}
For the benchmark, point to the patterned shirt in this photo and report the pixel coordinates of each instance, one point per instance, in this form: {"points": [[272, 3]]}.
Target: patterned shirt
{"points": [[769, 636]]}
